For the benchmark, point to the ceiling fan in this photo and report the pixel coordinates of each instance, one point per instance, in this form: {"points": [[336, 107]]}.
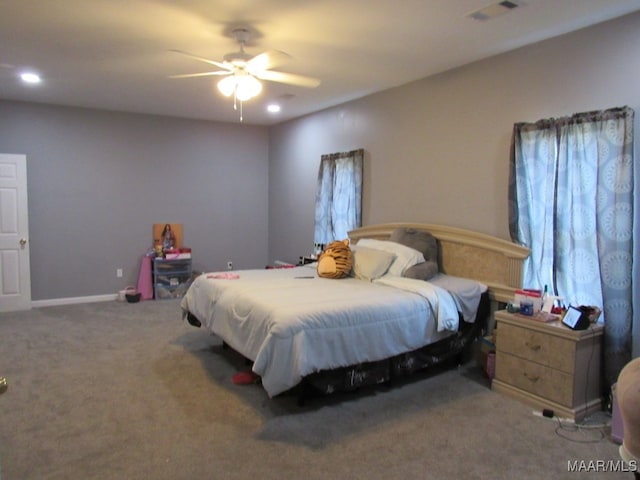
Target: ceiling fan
{"points": [[242, 72]]}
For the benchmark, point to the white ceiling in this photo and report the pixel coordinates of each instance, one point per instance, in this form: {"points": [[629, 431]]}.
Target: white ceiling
{"points": [[116, 54]]}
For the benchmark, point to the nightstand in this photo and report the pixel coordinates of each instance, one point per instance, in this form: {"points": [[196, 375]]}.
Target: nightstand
{"points": [[548, 365]]}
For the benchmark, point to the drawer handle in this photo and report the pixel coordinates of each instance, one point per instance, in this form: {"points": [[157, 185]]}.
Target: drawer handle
{"points": [[535, 347], [533, 378]]}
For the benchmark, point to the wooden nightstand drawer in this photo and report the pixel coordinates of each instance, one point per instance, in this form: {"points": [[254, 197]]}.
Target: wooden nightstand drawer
{"points": [[538, 379], [555, 352], [548, 365]]}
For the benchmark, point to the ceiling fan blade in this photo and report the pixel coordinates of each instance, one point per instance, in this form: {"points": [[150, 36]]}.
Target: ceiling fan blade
{"points": [[289, 78], [203, 74], [267, 60], [205, 60]]}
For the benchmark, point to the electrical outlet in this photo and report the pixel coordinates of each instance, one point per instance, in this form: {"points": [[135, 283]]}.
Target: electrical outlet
{"points": [[229, 265], [119, 273]]}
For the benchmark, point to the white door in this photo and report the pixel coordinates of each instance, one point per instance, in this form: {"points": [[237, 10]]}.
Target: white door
{"points": [[15, 281]]}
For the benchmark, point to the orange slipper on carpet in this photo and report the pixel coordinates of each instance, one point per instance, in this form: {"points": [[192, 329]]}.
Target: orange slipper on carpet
{"points": [[245, 378]]}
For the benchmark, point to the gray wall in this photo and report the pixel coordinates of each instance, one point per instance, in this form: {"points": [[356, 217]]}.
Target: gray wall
{"points": [[437, 150], [98, 180]]}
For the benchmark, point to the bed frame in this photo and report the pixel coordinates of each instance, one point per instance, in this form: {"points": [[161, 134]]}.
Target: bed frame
{"points": [[494, 262]]}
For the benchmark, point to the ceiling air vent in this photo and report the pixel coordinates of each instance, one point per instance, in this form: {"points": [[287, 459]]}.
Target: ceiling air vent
{"points": [[494, 10]]}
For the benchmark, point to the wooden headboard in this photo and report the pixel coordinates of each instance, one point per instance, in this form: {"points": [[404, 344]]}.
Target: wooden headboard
{"points": [[462, 253]]}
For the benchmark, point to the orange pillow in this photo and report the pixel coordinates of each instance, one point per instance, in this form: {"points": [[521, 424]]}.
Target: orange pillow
{"points": [[335, 261]]}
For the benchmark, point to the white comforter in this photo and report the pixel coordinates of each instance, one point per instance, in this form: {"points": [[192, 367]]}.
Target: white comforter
{"points": [[292, 323]]}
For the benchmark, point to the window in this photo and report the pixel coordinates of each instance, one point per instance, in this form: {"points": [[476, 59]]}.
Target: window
{"points": [[339, 196], [571, 203]]}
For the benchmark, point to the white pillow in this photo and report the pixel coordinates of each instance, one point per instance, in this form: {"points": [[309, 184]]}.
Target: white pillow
{"points": [[369, 263], [405, 256]]}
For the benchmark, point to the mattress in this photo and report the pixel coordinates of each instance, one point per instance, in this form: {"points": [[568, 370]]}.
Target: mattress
{"points": [[292, 323]]}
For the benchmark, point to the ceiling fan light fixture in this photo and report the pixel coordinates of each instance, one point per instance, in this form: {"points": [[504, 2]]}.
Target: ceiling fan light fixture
{"points": [[244, 73], [227, 85], [247, 87], [244, 86]]}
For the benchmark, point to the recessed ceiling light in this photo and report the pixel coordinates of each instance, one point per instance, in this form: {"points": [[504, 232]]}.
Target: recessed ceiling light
{"points": [[29, 77], [273, 108]]}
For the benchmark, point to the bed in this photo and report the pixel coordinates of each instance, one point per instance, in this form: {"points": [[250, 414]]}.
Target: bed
{"points": [[304, 332]]}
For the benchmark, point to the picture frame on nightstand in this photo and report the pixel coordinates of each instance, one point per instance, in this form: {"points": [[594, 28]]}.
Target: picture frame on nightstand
{"points": [[576, 319]]}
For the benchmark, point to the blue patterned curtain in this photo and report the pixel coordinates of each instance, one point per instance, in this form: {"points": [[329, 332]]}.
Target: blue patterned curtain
{"points": [[339, 196], [571, 203]]}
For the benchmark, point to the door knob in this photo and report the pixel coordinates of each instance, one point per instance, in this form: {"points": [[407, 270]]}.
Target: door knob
{"points": [[23, 242], [3, 385]]}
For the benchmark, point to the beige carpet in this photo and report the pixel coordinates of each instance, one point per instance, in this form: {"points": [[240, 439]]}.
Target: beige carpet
{"points": [[128, 391]]}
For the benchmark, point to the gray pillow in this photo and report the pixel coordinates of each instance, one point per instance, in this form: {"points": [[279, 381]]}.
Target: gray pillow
{"points": [[419, 240], [425, 243], [422, 271]]}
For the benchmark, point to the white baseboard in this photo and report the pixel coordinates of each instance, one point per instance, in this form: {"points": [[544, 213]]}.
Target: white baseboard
{"points": [[72, 300]]}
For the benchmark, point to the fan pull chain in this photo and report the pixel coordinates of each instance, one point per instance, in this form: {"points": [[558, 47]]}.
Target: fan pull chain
{"points": [[235, 104]]}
